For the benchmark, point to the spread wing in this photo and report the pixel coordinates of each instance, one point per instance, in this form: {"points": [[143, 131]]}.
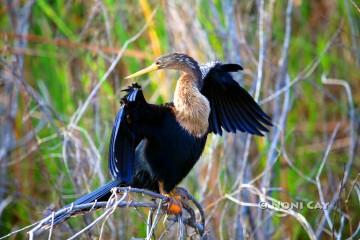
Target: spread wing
{"points": [[232, 107], [124, 137]]}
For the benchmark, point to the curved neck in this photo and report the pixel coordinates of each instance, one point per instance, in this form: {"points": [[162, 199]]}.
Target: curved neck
{"points": [[191, 107], [191, 71]]}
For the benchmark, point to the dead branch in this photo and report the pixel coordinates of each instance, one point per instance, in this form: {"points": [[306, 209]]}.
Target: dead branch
{"points": [[158, 204]]}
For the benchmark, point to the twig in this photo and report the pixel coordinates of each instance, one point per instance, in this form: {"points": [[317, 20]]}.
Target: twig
{"points": [[52, 225], [300, 218], [112, 211], [318, 184], [4, 203], [352, 134], [80, 112], [339, 233], [46, 109], [109, 211], [353, 138], [356, 233], [304, 73], [262, 50], [155, 221], [182, 230], [19, 230], [149, 221], [292, 166], [272, 155]]}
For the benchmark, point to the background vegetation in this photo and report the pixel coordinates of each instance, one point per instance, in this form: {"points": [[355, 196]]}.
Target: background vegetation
{"points": [[301, 61]]}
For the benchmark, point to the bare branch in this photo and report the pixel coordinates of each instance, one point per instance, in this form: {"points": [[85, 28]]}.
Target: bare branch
{"points": [[188, 219]]}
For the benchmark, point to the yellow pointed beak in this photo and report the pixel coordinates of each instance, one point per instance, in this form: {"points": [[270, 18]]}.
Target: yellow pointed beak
{"points": [[150, 68]]}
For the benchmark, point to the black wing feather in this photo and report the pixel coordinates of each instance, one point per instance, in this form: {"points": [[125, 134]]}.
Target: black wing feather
{"points": [[228, 113], [222, 116], [124, 138], [213, 124], [230, 67], [232, 107], [252, 124]]}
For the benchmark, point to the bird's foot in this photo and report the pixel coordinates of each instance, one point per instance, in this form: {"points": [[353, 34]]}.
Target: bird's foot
{"points": [[174, 206], [176, 196]]}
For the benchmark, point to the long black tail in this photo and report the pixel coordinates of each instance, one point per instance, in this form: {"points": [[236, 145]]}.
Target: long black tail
{"points": [[101, 194]]}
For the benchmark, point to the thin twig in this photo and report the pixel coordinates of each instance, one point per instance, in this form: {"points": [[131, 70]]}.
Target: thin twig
{"points": [[304, 73], [318, 184], [353, 137], [109, 211], [52, 225], [262, 50], [19, 230], [299, 217], [81, 110], [155, 221]]}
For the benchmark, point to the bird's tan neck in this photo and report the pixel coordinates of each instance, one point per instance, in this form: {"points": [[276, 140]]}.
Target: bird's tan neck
{"points": [[192, 109]]}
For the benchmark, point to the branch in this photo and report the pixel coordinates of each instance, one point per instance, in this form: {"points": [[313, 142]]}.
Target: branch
{"points": [[157, 203]]}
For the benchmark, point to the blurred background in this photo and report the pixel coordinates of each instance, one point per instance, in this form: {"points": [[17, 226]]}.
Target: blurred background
{"points": [[58, 102]]}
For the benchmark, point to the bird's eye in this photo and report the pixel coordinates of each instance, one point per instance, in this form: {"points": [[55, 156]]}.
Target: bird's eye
{"points": [[157, 62]]}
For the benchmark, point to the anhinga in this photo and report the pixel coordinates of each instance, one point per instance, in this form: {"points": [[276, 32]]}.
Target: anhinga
{"points": [[155, 146]]}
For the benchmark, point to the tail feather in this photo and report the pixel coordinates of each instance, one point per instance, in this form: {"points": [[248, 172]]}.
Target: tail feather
{"points": [[101, 194]]}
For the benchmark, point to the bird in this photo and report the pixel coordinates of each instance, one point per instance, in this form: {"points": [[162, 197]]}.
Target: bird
{"points": [[155, 146]]}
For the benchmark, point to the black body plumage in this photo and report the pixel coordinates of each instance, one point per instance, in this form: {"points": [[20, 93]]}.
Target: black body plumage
{"points": [[164, 150]]}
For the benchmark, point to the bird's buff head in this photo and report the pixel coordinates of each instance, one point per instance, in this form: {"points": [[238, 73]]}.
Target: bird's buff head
{"points": [[177, 61]]}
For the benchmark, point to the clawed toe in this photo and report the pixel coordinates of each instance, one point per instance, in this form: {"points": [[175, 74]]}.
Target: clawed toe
{"points": [[174, 206]]}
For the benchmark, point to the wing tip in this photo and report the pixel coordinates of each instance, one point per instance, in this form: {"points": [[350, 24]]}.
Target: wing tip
{"points": [[131, 93], [231, 67]]}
